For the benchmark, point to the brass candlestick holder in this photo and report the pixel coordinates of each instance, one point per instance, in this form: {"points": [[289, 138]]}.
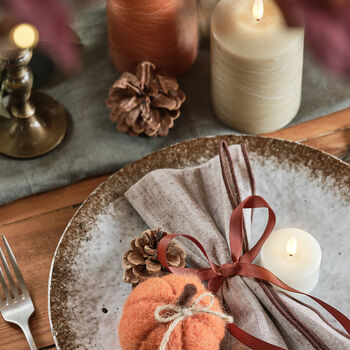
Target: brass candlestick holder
{"points": [[37, 122]]}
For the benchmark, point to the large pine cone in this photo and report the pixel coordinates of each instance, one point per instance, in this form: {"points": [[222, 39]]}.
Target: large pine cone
{"points": [[146, 102], [140, 261]]}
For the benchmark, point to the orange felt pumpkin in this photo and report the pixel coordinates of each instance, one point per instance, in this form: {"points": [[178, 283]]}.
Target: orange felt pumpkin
{"points": [[139, 329]]}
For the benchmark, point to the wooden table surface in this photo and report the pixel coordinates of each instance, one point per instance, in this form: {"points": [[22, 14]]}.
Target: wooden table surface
{"points": [[34, 225]]}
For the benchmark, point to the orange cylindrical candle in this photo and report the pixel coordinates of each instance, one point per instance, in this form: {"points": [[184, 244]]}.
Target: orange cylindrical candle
{"points": [[161, 31]]}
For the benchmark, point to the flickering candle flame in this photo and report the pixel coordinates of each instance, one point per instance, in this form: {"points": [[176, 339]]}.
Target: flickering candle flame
{"points": [[24, 35], [258, 9], [292, 246], [294, 256]]}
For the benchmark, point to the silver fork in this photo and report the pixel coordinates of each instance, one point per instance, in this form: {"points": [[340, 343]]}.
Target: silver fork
{"points": [[18, 307]]}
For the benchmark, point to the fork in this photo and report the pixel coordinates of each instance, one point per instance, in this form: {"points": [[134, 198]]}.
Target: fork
{"points": [[17, 307]]}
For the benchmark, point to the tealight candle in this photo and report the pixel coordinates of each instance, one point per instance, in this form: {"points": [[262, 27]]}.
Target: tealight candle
{"points": [[256, 65], [294, 256]]}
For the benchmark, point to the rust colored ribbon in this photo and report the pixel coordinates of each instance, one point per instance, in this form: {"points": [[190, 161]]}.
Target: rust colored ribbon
{"points": [[241, 265]]}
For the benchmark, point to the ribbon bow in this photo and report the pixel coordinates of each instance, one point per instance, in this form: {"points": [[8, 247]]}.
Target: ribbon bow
{"points": [[241, 264], [175, 314]]}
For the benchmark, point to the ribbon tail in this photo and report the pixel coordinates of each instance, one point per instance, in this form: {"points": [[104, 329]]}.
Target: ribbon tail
{"points": [[256, 271], [249, 340]]}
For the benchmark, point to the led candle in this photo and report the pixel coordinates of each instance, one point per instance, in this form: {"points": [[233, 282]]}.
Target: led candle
{"points": [[162, 31], [256, 65], [294, 256]]}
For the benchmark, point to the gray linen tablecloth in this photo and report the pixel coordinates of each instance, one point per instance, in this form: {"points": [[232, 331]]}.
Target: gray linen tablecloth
{"points": [[92, 145]]}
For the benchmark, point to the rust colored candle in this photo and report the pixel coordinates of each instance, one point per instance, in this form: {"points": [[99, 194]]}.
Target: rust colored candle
{"points": [[161, 31]]}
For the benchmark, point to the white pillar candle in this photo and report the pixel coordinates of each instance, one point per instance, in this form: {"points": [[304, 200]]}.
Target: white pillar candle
{"points": [[256, 65], [294, 256]]}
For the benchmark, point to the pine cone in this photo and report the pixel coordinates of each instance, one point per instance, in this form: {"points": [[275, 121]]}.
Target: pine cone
{"points": [[140, 261], [146, 103]]}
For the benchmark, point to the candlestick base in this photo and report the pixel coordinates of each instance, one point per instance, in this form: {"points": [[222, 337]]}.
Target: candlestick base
{"points": [[34, 136]]}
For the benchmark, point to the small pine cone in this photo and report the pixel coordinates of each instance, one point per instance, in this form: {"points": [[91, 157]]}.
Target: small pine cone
{"points": [[147, 102], [140, 261]]}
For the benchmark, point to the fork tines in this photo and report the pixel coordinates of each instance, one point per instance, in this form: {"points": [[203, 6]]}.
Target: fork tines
{"points": [[17, 272]]}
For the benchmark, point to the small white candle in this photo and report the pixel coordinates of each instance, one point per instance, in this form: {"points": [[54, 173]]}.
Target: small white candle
{"points": [[256, 65], [294, 256]]}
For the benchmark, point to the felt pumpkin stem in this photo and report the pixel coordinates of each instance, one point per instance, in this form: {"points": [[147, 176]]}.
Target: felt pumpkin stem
{"points": [[186, 296]]}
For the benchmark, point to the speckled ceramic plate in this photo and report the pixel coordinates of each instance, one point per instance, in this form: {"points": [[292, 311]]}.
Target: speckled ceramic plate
{"points": [[307, 188]]}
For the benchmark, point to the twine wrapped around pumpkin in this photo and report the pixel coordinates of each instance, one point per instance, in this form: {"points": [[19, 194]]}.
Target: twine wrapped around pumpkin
{"points": [[177, 313]]}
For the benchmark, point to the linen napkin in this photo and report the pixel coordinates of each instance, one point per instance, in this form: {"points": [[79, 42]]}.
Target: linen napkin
{"points": [[195, 201]]}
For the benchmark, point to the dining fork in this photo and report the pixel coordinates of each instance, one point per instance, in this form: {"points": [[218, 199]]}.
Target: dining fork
{"points": [[16, 306]]}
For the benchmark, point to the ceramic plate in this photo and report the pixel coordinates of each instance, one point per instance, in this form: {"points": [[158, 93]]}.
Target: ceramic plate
{"points": [[307, 188]]}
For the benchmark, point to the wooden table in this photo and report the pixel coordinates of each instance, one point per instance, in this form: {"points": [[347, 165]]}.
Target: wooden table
{"points": [[34, 225]]}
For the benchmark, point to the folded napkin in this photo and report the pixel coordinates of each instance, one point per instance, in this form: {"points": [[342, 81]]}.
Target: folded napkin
{"points": [[195, 201]]}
